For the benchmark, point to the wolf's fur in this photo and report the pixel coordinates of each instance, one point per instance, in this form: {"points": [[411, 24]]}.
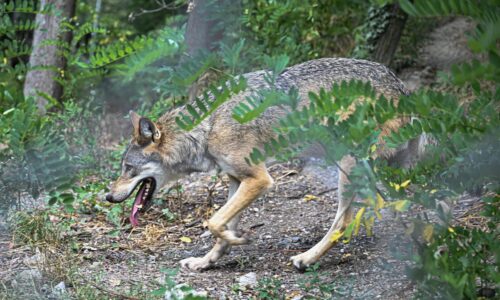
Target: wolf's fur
{"points": [[163, 151]]}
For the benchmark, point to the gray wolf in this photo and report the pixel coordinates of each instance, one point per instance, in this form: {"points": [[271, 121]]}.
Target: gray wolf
{"points": [[160, 152]]}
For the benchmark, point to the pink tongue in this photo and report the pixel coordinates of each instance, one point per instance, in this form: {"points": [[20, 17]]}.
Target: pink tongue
{"points": [[135, 208]]}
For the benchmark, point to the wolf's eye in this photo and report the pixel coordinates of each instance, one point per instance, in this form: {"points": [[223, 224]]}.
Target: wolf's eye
{"points": [[128, 168]]}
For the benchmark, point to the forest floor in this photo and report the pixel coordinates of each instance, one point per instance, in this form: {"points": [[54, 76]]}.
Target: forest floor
{"points": [[289, 219]]}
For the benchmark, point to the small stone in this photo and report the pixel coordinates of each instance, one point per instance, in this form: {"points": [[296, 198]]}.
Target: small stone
{"points": [[34, 260], [248, 280], [32, 275], [60, 288], [206, 234]]}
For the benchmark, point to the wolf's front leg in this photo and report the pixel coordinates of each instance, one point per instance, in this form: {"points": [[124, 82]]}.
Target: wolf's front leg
{"points": [[250, 188], [223, 223], [220, 248]]}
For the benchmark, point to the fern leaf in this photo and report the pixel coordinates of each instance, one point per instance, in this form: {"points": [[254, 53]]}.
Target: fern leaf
{"points": [[209, 103]]}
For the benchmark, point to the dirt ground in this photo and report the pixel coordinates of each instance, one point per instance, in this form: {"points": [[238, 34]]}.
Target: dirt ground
{"points": [[289, 219]]}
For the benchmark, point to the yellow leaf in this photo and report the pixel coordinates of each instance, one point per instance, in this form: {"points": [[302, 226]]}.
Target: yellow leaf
{"points": [[379, 216], [336, 235], [380, 202], [451, 230], [400, 205], [310, 197], [186, 239], [433, 191], [397, 187], [357, 220], [373, 148], [369, 225], [405, 183], [427, 233], [346, 256]]}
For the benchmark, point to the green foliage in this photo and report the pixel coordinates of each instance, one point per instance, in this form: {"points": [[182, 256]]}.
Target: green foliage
{"points": [[376, 22], [482, 10], [459, 261], [35, 230], [269, 289], [204, 107], [171, 290], [301, 29], [320, 286]]}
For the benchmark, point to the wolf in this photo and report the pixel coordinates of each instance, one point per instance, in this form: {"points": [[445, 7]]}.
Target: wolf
{"points": [[159, 152]]}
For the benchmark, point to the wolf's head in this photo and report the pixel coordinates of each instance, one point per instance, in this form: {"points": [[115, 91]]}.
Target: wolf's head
{"points": [[142, 166]]}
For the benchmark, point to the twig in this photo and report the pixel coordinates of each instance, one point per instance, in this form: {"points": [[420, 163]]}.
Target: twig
{"points": [[193, 223], [271, 250], [162, 6], [257, 225], [305, 193], [118, 295], [327, 191]]}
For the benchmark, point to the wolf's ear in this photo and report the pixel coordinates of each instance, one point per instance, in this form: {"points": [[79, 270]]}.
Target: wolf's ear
{"points": [[148, 130], [134, 117]]}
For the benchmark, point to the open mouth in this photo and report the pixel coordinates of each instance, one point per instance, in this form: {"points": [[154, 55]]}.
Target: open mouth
{"points": [[142, 199]]}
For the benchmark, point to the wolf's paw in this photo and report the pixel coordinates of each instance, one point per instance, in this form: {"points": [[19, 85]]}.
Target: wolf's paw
{"points": [[195, 263], [233, 238], [301, 262]]}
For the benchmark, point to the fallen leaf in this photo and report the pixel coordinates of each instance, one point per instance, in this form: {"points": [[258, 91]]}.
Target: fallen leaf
{"points": [[115, 281], [310, 197], [186, 239]]}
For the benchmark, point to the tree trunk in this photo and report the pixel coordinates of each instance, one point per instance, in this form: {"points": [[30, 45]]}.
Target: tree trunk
{"points": [[201, 35], [387, 43], [48, 28], [200, 32]]}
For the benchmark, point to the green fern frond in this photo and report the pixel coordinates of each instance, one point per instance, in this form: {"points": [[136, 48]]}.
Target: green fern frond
{"points": [[482, 10], [149, 50], [22, 6], [188, 71], [13, 49], [208, 103], [86, 29]]}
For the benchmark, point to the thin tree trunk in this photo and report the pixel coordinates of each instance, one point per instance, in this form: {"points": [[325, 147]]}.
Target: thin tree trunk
{"points": [[200, 33], [201, 36], [48, 28], [387, 43]]}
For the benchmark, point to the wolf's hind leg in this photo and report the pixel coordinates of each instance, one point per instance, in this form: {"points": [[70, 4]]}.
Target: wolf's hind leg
{"points": [[342, 219], [221, 246]]}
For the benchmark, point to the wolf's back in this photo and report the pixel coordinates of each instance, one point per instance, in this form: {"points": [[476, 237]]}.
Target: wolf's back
{"points": [[321, 73], [310, 76]]}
